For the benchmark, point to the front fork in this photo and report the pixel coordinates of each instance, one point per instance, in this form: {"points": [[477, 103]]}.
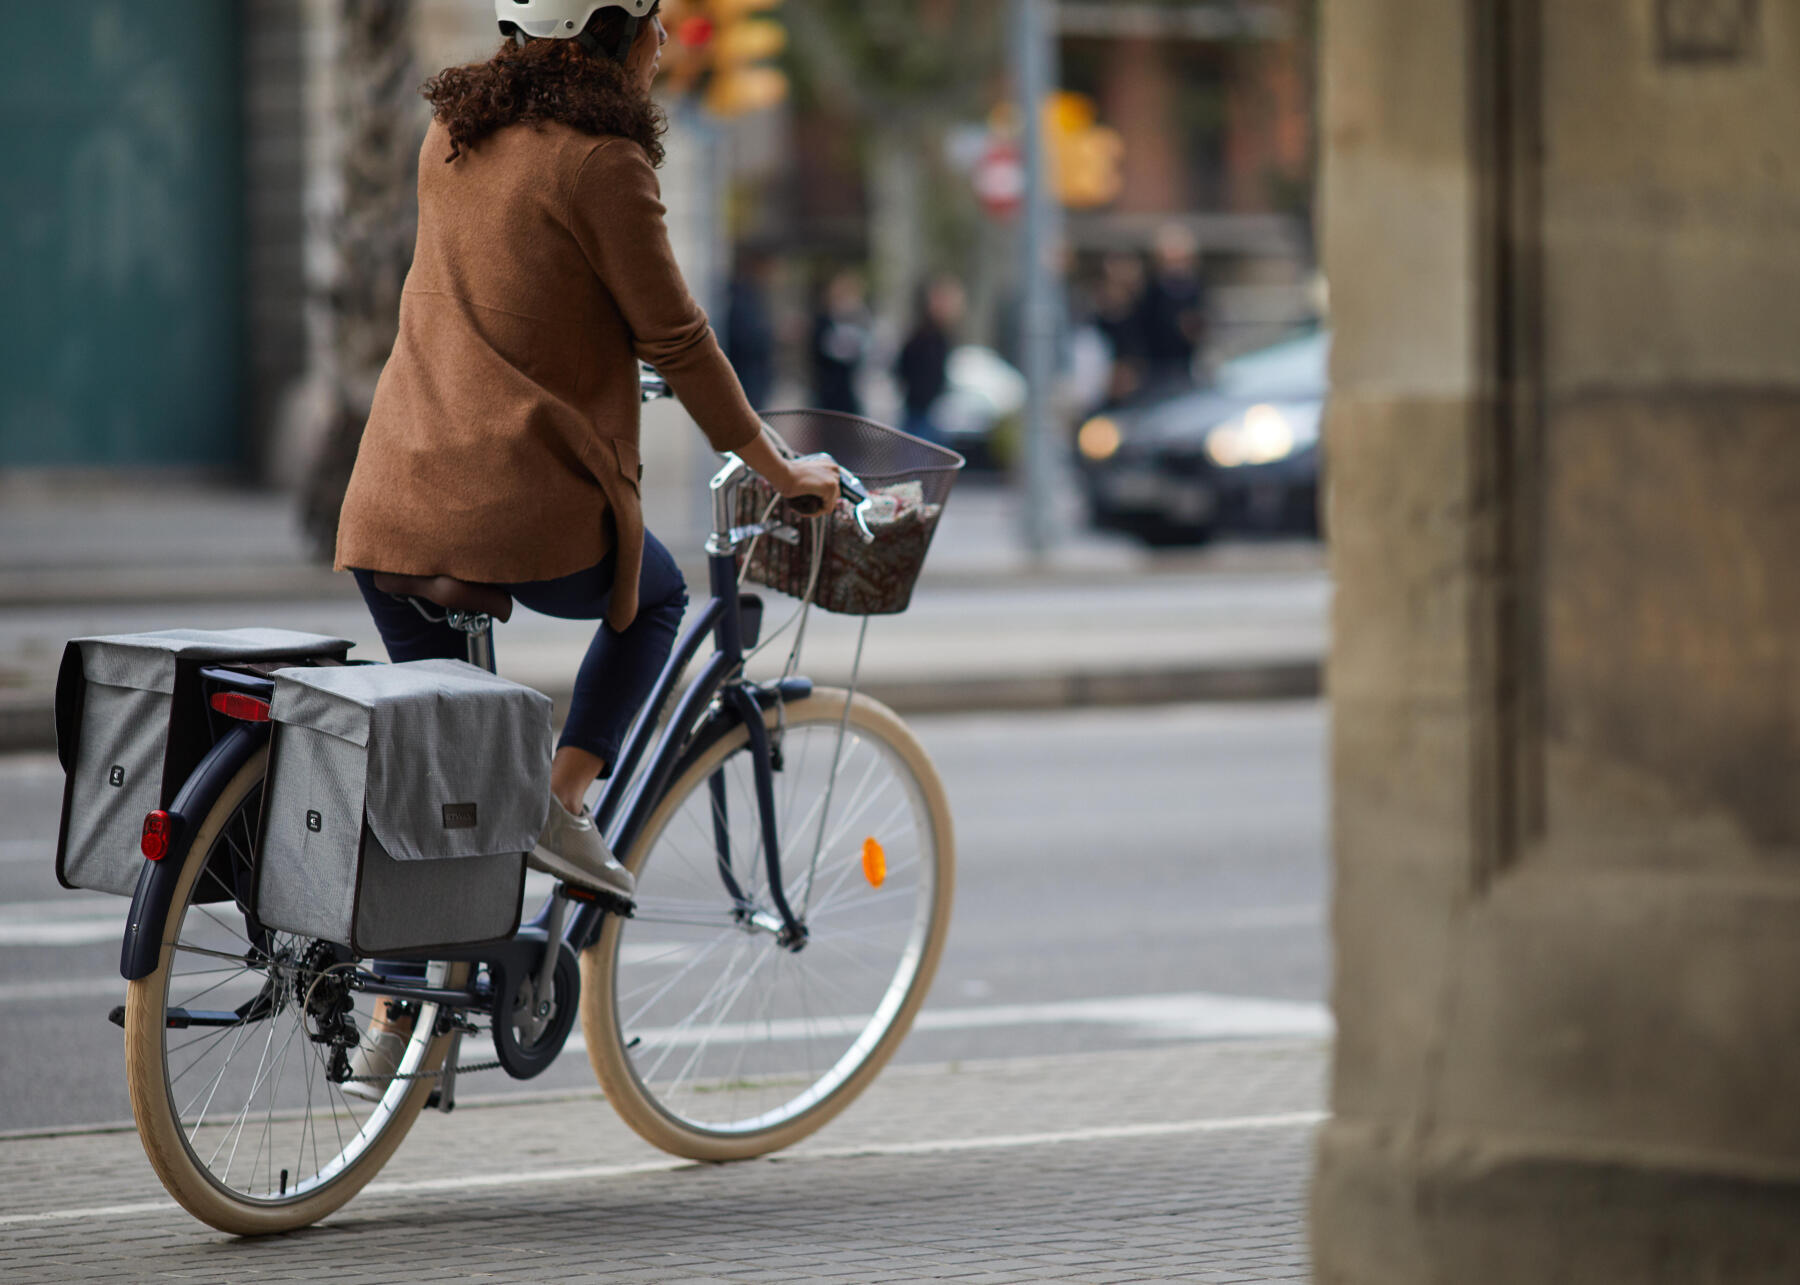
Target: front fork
{"points": [[791, 932]]}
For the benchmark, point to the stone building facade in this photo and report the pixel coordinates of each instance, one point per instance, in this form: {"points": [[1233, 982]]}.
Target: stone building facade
{"points": [[1565, 436]]}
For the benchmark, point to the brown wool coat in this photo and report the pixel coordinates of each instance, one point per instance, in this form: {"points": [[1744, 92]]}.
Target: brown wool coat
{"points": [[503, 441]]}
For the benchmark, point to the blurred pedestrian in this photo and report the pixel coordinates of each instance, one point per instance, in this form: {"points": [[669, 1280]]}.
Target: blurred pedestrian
{"points": [[1119, 312], [750, 326], [923, 367], [842, 329], [1174, 308]]}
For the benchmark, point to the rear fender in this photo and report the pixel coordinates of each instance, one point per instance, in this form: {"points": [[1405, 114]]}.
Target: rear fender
{"points": [[141, 950]]}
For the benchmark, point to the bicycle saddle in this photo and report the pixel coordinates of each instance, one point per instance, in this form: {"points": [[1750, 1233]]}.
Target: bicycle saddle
{"points": [[449, 593]]}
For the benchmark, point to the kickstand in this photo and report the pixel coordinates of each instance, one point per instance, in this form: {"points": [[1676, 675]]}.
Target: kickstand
{"points": [[444, 1096]]}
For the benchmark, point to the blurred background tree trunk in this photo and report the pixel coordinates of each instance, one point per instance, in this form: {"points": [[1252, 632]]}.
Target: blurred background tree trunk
{"points": [[903, 71], [380, 120]]}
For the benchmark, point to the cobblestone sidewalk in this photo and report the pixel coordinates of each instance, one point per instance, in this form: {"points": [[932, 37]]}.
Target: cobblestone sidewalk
{"points": [[1185, 1163]]}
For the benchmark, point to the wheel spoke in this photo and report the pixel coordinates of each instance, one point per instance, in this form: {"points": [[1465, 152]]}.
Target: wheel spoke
{"points": [[187, 949]]}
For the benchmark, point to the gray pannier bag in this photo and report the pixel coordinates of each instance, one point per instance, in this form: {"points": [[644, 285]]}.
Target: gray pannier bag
{"points": [[130, 727], [401, 800]]}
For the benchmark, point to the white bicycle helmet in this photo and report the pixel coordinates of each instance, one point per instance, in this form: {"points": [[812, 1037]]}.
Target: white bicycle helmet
{"points": [[567, 20]]}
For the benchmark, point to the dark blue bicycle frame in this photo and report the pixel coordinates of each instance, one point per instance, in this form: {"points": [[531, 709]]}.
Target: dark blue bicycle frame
{"points": [[718, 700]]}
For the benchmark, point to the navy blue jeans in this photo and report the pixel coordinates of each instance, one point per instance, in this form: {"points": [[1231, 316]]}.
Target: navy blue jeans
{"points": [[620, 668]]}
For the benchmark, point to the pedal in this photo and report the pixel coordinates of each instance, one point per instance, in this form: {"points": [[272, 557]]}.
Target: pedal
{"points": [[611, 902]]}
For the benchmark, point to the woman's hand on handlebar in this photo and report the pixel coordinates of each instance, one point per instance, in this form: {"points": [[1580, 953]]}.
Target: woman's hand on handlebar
{"points": [[812, 482], [813, 486]]}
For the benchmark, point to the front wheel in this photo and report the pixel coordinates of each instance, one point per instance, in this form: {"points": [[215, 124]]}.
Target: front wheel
{"points": [[238, 1048], [714, 1038]]}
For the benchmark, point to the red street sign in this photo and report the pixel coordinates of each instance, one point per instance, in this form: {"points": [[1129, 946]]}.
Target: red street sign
{"points": [[999, 179]]}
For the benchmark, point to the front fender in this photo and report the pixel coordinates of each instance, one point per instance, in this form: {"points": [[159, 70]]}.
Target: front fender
{"points": [[141, 950]]}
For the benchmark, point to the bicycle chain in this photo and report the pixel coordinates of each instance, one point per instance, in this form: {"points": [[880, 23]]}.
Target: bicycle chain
{"points": [[470, 1069]]}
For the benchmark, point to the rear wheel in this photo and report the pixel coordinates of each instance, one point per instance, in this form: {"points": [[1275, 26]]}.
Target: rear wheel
{"points": [[238, 1047], [712, 1038]]}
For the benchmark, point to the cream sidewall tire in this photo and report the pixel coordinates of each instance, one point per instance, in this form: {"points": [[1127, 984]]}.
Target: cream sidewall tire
{"points": [[158, 1127], [599, 1018]]}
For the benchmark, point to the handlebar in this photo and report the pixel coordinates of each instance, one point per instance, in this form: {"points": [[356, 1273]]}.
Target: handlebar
{"points": [[725, 535]]}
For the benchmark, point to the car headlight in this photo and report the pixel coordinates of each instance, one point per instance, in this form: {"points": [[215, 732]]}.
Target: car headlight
{"points": [[1099, 439], [1261, 435]]}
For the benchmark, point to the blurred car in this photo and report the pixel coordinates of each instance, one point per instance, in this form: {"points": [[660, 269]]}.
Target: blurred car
{"points": [[1242, 453], [983, 395]]}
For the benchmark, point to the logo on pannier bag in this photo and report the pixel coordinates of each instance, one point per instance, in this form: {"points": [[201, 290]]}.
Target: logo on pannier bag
{"points": [[459, 816], [116, 776], [314, 822]]}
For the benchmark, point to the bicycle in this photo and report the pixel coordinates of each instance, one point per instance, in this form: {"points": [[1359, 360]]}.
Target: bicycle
{"points": [[794, 853]]}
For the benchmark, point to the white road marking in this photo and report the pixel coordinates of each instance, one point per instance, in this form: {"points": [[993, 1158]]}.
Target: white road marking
{"points": [[1301, 916], [66, 988], [1193, 1016], [113, 984], [92, 1211], [80, 919], [21, 852], [68, 932], [74, 919], [588, 1173]]}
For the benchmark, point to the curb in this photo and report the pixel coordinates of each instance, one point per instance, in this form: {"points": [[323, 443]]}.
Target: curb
{"points": [[88, 588], [1075, 689], [27, 721], [296, 582]]}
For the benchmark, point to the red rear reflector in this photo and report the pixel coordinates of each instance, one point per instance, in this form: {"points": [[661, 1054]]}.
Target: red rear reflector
{"points": [[155, 843], [237, 705]]}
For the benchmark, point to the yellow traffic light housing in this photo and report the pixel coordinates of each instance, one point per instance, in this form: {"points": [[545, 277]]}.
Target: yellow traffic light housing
{"points": [[721, 50], [1086, 157]]}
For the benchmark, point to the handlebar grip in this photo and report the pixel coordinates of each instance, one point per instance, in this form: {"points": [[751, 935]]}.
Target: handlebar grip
{"points": [[810, 506]]}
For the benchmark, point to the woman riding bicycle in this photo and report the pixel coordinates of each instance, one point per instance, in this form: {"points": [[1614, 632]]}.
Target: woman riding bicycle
{"points": [[502, 446]]}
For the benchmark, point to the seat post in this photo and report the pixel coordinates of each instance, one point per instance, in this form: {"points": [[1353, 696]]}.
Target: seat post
{"points": [[478, 629]]}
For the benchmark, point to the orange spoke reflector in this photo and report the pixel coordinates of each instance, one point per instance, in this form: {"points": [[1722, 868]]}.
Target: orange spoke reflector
{"points": [[874, 863]]}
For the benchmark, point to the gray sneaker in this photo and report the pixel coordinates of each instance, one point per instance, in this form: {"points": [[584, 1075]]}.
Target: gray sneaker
{"points": [[379, 1056], [571, 849]]}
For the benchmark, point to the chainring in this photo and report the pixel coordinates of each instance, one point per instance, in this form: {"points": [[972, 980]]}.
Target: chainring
{"points": [[524, 1056]]}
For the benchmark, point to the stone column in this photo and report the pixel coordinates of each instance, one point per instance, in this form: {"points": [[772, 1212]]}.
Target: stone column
{"points": [[1564, 244]]}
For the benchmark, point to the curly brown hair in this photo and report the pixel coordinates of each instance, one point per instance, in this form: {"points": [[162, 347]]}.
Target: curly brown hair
{"points": [[547, 80]]}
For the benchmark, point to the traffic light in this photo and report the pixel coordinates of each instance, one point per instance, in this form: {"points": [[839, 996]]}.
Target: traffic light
{"points": [[1085, 155], [685, 57], [742, 82], [720, 50]]}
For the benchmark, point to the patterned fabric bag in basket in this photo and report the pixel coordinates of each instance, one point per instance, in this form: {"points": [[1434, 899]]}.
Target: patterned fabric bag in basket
{"points": [[855, 578]]}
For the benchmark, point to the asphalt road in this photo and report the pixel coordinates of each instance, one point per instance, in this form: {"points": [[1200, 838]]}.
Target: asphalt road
{"points": [[1126, 878]]}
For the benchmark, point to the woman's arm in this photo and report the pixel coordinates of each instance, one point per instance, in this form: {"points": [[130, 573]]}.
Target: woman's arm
{"points": [[616, 215]]}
